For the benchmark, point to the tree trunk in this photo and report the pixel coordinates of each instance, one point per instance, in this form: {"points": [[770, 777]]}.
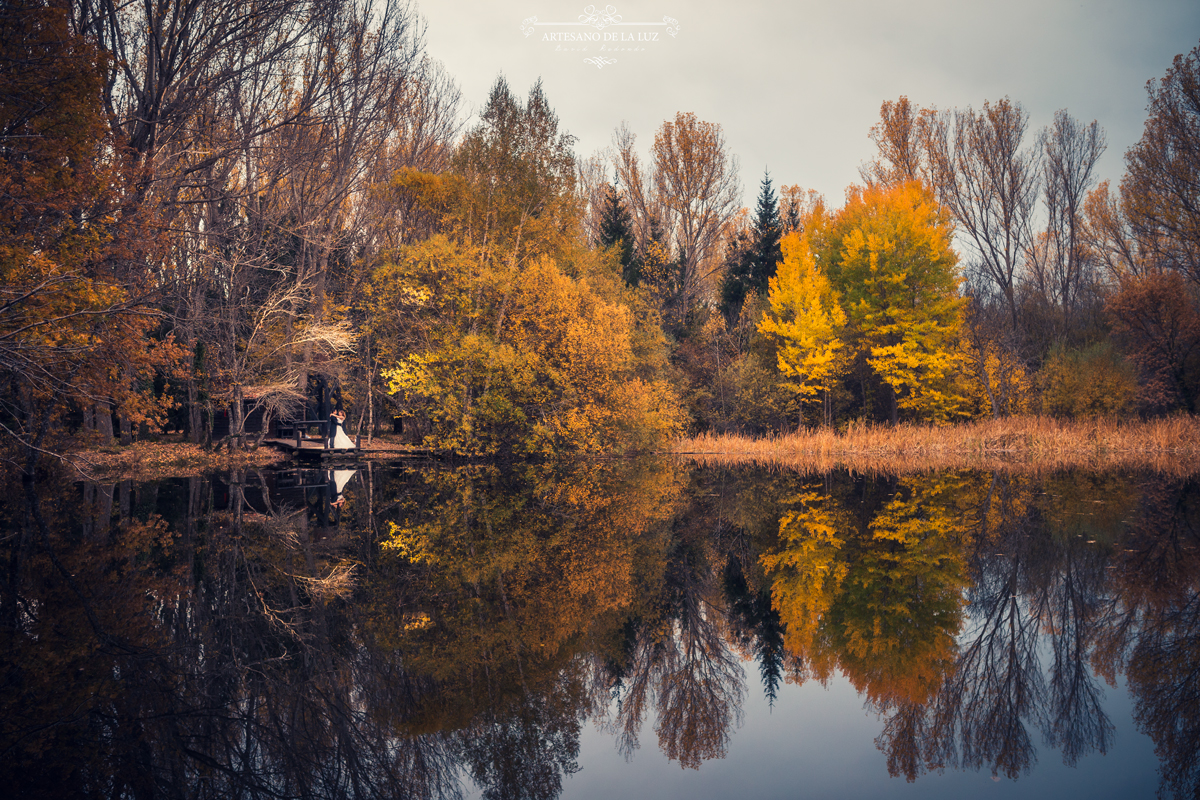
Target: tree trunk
{"points": [[194, 422], [104, 424], [370, 394], [237, 417]]}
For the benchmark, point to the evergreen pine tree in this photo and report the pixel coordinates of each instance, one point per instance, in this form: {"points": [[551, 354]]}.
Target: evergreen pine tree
{"points": [[750, 259], [767, 233], [739, 265], [615, 230]]}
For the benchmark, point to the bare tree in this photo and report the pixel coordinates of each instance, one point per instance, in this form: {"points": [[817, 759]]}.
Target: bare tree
{"points": [[1124, 250], [1059, 262], [635, 185], [691, 193], [990, 183], [697, 182], [260, 138], [172, 59], [592, 186]]}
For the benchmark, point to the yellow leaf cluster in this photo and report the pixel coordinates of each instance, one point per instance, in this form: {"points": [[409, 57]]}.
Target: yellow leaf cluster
{"points": [[805, 321]]}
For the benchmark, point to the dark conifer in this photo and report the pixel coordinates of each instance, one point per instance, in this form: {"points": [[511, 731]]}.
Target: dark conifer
{"points": [[750, 258], [615, 230], [739, 266], [767, 233]]}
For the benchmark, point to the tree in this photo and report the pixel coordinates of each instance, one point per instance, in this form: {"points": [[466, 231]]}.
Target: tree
{"points": [[517, 199], [888, 254], [804, 322], [1060, 265], [692, 192], [902, 138], [737, 270], [615, 230], [1158, 316], [755, 264], [257, 137], [767, 233], [1161, 188], [799, 207], [513, 335], [698, 183], [990, 184], [1123, 250], [77, 321], [1000, 380]]}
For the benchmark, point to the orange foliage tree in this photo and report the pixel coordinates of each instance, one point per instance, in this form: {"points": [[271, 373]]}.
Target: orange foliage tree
{"points": [[74, 326], [1161, 189], [1157, 314]]}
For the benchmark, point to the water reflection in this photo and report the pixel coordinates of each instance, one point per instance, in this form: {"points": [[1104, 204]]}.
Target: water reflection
{"points": [[409, 632]]}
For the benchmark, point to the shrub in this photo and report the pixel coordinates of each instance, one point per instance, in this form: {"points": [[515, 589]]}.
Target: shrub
{"points": [[1091, 382]]}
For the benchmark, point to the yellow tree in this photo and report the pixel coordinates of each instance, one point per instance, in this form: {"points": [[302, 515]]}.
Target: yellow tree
{"points": [[804, 320], [888, 253], [509, 334]]}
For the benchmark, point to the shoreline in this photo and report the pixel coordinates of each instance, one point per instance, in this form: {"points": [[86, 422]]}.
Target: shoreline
{"points": [[1169, 445], [170, 456]]}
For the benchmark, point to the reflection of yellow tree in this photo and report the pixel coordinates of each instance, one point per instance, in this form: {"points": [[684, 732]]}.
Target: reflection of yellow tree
{"points": [[884, 604], [809, 568], [503, 575], [902, 603]]}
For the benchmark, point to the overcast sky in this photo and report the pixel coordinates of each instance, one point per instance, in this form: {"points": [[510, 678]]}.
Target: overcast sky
{"points": [[797, 86]]}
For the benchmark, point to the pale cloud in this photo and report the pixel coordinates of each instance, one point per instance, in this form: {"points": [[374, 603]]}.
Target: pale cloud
{"points": [[797, 86]]}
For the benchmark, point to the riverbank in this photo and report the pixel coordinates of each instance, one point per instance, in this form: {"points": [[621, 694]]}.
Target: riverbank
{"points": [[171, 456], [1168, 445], [157, 459]]}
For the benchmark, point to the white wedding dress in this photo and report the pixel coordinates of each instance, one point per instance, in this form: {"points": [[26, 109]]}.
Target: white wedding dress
{"points": [[340, 440]]}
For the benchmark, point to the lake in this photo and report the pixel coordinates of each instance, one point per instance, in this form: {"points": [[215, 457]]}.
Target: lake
{"points": [[601, 628]]}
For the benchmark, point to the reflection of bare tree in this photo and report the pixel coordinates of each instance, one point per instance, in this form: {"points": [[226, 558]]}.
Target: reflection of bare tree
{"points": [[213, 700], [1164, 677], [980, 716], [685, 668], [522, 752], [1032, 586], [999, 684], [700, 693], [1160, 625], [1077, 722]]}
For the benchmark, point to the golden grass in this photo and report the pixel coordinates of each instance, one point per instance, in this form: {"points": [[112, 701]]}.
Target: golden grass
{"points": [[1167, 445]]}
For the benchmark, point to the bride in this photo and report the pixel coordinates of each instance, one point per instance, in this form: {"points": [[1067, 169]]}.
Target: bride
{"points": [[340, 440]]}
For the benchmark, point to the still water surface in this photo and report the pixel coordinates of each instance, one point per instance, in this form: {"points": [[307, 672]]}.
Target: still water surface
{"points": [[583, 631]]}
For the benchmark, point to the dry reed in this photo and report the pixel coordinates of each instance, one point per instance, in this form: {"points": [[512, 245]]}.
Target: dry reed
{"points": [[1169, 445]]}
